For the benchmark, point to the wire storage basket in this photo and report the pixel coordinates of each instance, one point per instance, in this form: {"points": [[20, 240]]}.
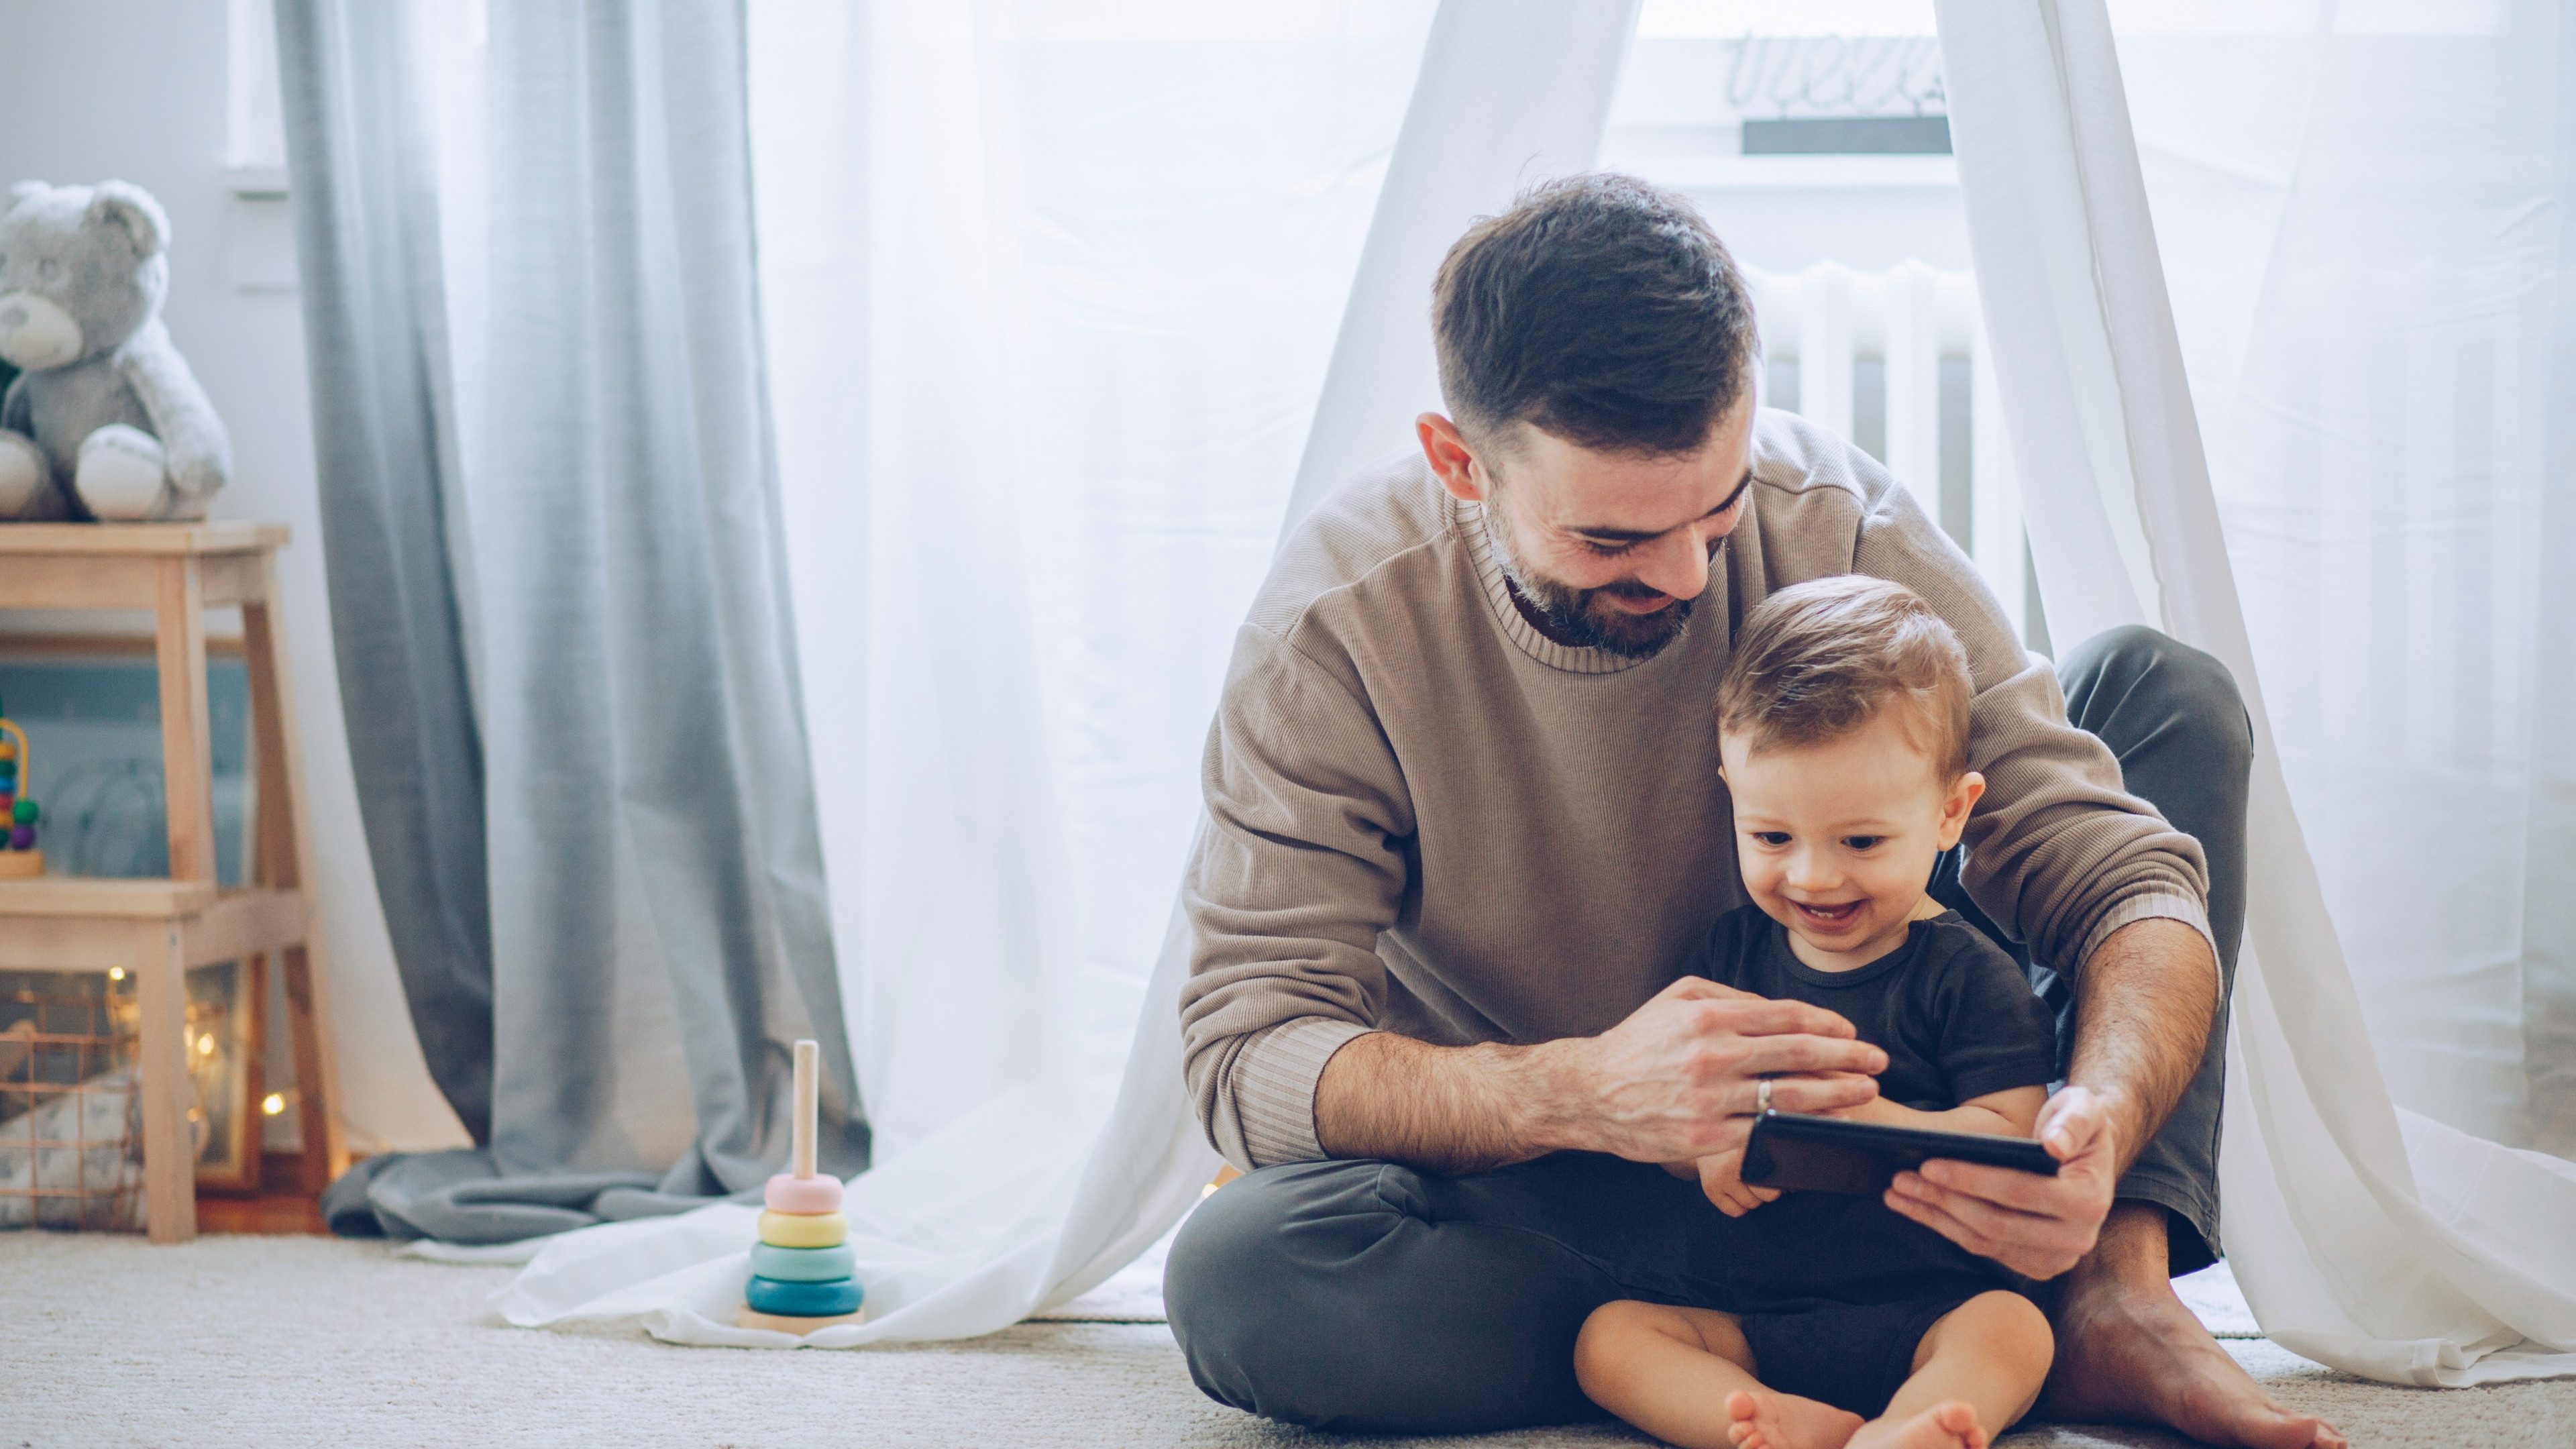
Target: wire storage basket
{"points": [[70, 1118]]}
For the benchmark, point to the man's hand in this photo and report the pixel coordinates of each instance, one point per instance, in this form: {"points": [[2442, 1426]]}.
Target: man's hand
{"points": [[1721, 1176], [1677, 1079], [2037, 1226], [1675, 1082]]}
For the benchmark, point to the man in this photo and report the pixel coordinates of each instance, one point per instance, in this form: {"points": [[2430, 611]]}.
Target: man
{"points": [[1467, 826]]}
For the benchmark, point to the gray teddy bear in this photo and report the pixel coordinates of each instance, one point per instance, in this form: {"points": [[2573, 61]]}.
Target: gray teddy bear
{"points": [[105, 420]]}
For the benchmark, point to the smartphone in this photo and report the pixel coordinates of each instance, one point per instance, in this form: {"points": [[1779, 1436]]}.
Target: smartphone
{"points": [[1799, 1153]]}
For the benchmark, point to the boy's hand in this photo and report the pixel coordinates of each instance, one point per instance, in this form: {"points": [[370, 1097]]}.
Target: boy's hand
{"points": [[1721, 1176]]}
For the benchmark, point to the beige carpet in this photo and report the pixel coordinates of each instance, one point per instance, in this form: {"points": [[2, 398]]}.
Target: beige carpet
{"points": [[311, 1341]]}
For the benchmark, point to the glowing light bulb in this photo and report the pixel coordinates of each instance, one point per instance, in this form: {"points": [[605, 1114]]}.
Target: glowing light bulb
{"points": [[273, 1103], [115, 973], [206, 1045]]}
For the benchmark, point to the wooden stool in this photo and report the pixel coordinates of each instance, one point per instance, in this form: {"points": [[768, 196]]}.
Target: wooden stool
{"points": [[157, 929]]}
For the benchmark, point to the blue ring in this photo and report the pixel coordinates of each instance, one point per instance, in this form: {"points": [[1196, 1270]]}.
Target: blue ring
{"points": [[803, 1265], [802, 1300]]}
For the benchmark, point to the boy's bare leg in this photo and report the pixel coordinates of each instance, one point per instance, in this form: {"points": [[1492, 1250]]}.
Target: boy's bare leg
{"points": [[1682, 1375], [1976, 1371]]}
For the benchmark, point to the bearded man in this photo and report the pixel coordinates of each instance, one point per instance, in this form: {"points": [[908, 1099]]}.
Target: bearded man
{"points": [[1467, 829]]}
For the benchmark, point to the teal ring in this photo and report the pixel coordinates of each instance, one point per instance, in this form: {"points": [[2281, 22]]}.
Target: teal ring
{"points": [[802, 1300], [803, 1265]]}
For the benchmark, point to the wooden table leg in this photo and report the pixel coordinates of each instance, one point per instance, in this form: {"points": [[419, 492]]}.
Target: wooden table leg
{"points": [[286, 861], [179, 634], [169, 1150]]}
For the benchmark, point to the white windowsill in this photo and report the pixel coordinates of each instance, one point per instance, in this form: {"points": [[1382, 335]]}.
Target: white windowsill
{"points": [[255, 182], [1800, 173]]}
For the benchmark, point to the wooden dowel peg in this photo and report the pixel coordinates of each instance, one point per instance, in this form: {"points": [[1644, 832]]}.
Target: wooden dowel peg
{"points": [[806, 1108]]}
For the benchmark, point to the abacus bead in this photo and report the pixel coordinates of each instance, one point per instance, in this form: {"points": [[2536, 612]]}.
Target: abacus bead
{"points": [[768, 1295], [803, 1230], [803, 1265], [23, 838], [788, 1193], [24, 812]]}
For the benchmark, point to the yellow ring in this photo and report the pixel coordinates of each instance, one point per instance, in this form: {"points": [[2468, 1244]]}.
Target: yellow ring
{"points": [[803, 1230]]}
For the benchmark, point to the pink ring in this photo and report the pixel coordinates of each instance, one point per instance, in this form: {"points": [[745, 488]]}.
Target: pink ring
{"points": [[791, 1194]]}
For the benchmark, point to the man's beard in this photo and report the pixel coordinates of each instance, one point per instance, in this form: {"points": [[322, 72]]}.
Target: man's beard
{"points": [[1585, 618]]}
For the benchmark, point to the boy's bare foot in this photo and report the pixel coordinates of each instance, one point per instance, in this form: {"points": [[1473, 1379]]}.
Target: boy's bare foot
{"points": [[1950, 1425], [1764, 1419], [2128, 1351]]}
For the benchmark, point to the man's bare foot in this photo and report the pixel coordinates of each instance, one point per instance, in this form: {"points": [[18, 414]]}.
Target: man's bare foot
{"points": [[2129, 1352], [1950, 1425], [1767, 1420]]}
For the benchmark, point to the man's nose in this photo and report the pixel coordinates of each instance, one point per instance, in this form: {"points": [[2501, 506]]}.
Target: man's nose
{"points": [[1680, 566]]}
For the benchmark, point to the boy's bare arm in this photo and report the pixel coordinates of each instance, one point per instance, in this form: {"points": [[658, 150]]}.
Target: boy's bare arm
{"points": [[2011, 1113]]}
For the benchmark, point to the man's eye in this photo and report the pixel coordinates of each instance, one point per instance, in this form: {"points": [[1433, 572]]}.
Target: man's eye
{"points": [[1862, 842], [1606, 550]]}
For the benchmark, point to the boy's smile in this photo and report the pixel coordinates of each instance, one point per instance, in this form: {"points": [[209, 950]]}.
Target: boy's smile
{"points": [[1836, 839]]}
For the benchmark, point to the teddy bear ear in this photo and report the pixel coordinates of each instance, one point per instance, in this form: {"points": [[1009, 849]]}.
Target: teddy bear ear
{"points": [[26, 191], [124, 204]]}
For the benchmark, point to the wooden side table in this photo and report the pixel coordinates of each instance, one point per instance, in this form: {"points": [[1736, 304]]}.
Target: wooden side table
{"points": [[158, 929]]}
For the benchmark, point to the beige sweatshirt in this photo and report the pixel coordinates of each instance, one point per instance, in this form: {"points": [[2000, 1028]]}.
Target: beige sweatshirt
{"points": [[1428, 818]]}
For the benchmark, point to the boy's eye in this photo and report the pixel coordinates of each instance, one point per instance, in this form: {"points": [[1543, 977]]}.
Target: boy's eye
{"points": [[1773, 838], [1862, 842]]}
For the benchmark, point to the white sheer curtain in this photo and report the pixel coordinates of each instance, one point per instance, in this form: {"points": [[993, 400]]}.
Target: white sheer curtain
{"points": [[2369, 240], [1049, 292]]}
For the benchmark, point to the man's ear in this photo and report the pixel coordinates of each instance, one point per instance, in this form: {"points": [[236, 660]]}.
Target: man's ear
{"points": [[1963, 797], [1445, 448]]}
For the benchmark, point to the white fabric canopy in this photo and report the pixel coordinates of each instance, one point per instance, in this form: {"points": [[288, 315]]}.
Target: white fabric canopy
{"points": [[2374, 1239], [927, 393], [1020, 1172]]}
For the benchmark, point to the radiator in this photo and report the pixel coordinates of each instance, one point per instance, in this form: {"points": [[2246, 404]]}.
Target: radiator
{"points": [[1896, 361]]}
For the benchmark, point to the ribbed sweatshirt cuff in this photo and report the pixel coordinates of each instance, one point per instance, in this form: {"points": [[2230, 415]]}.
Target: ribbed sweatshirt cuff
{"points": [[2154, 906], [1273, 1082]]}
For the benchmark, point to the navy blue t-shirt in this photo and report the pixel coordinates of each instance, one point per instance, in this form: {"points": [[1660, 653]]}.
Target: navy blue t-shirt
{"points": [[1953, 1012]]}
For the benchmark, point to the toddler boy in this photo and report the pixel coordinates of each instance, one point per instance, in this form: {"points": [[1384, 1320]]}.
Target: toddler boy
{"points": [[1843, 726]]}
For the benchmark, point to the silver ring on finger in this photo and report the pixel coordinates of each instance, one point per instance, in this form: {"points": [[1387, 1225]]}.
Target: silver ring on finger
{"points": [[1762, 1097]]}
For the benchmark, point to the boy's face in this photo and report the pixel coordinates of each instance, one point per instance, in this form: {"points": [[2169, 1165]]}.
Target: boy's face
{"points": [[1836, 840]]}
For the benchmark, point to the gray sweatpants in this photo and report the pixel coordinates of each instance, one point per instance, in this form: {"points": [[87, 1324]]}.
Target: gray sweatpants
{"points": [[1370, 1295]]}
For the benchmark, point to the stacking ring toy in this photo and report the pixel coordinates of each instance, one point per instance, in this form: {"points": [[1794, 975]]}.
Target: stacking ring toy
{"points": [[803, 1265], [788, 1193]]}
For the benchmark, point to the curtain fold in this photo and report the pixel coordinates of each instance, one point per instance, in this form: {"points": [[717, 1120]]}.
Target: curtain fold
{"points": [[384, 430], [1058, 1179], [550, 222], [2370, 1238]]}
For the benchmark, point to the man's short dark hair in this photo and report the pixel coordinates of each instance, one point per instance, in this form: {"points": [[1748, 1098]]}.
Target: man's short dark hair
{"points": [[1599, 310]]}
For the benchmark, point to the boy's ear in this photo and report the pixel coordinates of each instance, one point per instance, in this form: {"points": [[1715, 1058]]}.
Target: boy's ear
{"points": [[1964, 794]]}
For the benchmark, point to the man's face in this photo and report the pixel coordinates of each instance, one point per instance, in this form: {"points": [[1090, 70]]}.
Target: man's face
{"points": [[1608, 549]]}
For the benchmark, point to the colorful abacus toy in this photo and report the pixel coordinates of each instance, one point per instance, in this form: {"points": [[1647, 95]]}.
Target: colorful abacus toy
{"points": [[800, 1268], [19, 857]]}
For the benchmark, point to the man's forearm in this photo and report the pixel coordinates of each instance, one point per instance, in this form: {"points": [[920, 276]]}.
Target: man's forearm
{"points": [[2143, 1009], [1451, 1110]]}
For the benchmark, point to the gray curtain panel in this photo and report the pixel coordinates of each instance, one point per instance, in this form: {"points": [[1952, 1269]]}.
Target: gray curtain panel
{"points": [[601, 558]]}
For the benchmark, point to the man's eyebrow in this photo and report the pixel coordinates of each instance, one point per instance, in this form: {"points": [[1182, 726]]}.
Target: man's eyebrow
{"points": [[1638, 535]]}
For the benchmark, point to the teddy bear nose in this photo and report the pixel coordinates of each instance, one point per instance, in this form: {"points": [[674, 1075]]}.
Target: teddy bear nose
{"points": [[13, 315]]}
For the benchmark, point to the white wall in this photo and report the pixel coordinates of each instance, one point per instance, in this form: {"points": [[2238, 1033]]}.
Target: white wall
{"points": [[135, 89]]}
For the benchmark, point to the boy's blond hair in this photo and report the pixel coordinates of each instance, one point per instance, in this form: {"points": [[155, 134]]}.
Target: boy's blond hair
{"points": [[1817, 660]]}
